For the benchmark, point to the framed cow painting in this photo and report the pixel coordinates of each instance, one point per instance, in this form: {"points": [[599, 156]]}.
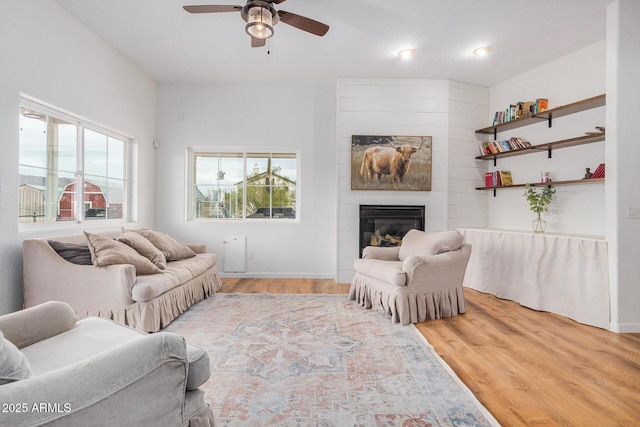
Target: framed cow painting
{"points": [[396, 163]]}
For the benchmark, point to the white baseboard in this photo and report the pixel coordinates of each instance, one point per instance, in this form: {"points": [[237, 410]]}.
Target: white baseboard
{"points": [[625, 328]]}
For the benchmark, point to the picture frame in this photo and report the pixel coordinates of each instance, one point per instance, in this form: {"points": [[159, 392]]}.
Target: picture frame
{"points": [[391, 162]]}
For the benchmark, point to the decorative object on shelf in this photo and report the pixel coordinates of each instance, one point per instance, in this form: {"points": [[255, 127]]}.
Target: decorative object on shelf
{"points": [[545, 176], [539, 202], [380, 162], [599, 172], [588, 173]]}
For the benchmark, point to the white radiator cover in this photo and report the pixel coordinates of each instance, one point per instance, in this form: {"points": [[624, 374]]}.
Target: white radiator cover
{"points": [[235, 254]]}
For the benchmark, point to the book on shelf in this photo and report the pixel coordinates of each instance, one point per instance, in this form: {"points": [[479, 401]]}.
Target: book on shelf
{"points": [[542, 104], [497, 179], [484, 148], [599, 172], [488, 179], [528, 108], [493, 147], [520, 110], [492, 179], [505, 177], [520, 143]]}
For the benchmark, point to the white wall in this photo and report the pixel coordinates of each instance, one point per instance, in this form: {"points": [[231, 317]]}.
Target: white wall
{"points": [[468, 106], [448, 112], [623, 152], [294, 117], [576, 209], [47, 54]]}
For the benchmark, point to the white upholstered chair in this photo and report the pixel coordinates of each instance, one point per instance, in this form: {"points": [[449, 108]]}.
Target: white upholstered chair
{"points": [[419, 280]]}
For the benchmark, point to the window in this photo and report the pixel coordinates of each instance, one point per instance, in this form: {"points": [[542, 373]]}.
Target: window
{"points": [[70, 170], [243, 185]]}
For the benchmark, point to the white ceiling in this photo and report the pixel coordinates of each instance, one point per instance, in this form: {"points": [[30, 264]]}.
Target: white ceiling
{"points": [[172, 45]]}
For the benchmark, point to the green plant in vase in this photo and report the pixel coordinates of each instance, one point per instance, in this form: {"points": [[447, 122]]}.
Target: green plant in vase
{"points": [[539, 202]]}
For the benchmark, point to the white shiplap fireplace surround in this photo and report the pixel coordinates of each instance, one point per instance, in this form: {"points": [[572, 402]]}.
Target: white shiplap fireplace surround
{"points": [[446, 110]]}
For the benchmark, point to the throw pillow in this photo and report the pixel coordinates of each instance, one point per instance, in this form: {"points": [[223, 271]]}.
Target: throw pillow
{"points": [[106, 251], [171, 249], [72, 252], [419, 243], [14, 366], [144, 247]]}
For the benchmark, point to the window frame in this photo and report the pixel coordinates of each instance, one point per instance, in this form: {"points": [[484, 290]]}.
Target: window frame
{"points": [[82, 125], [193, 152]]}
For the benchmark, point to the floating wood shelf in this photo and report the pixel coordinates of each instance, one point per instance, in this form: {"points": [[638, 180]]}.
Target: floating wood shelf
{"points": [[547, 146], [549, 115], [545, 184]]}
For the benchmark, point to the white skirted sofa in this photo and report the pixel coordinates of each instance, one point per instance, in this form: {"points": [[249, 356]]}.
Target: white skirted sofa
{"points": [[419, 280], [140, 278], [58, 371]]}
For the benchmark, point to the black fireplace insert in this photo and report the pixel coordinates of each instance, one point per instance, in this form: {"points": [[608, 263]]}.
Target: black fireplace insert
{"points": [[386, 225]]}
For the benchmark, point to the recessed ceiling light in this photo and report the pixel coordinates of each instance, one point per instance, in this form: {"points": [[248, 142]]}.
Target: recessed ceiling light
{"points": [[482, 51], [406, 53]]}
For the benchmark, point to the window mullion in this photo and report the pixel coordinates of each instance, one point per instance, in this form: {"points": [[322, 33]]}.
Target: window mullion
{"points": [[244, 185], [80, 174], [271, 182]]}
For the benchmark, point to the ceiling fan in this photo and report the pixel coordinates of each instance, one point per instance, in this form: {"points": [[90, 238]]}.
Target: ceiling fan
{"points": [[261, 16]]}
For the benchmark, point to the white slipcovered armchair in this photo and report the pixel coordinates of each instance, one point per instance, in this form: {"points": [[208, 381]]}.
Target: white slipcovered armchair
{"points": [[419, 280]]}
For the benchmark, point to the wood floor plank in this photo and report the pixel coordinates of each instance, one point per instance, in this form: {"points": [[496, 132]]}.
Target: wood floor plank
{"points": [[528, 368]]}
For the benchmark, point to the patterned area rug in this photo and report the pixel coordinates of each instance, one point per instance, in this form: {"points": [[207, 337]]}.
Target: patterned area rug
{"points": [[317, 360]]}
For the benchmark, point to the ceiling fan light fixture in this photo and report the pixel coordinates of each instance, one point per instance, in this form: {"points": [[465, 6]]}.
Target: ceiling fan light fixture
{"points": [[259, 22]]}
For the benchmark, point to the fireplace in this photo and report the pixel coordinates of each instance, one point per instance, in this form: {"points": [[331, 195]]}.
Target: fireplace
{"points": [[384, 225]]}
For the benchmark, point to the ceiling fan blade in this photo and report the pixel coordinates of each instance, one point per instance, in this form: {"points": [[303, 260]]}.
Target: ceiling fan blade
{"points": [[257, 42], [278, 1], [212, 8], [302, 23]]}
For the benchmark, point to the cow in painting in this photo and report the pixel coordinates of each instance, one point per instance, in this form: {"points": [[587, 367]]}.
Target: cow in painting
{"points": [[392, 161]]}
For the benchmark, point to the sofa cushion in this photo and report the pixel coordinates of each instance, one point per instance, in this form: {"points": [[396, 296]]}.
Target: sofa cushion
{"points": [[106, 251], [199, 367], [386, 271], [144, 247], [14, 366], [171, 249], [419, 243], [177, 273], [72, 252]]}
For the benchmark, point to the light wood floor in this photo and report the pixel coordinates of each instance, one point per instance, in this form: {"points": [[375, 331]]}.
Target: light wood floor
{"points": [[528, 368]]}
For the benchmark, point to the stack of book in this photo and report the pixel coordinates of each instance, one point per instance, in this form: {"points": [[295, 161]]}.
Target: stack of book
{"points": [[599, 172], [520, 110], [494, 147], [497, 179]]}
